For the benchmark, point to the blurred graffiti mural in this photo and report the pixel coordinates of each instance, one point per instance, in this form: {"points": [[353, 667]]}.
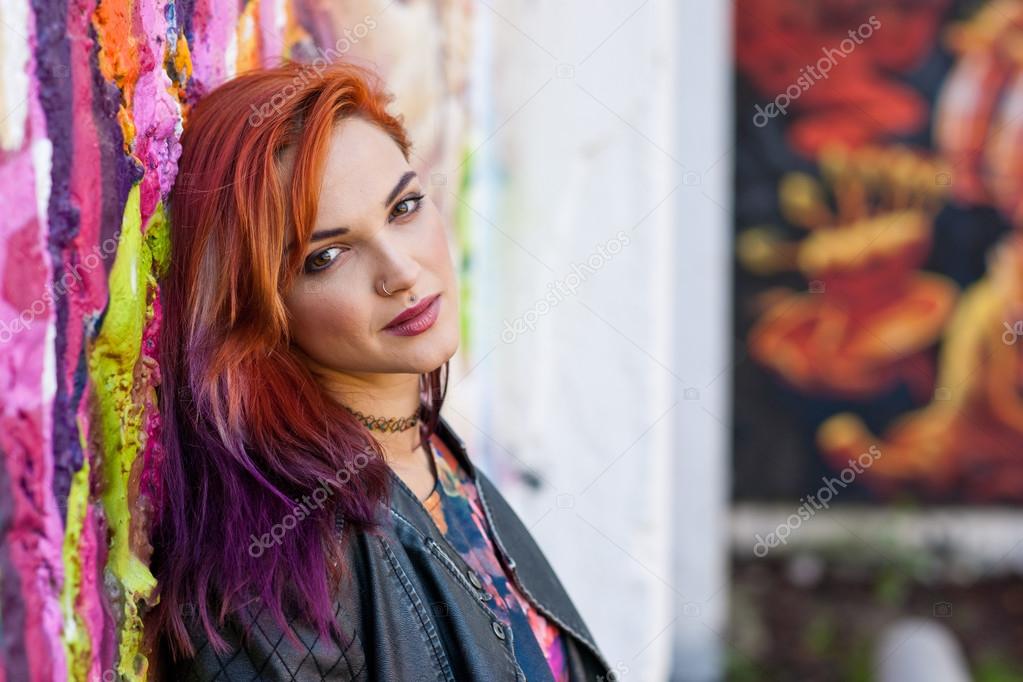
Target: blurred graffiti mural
{"points": [[879, 254], [94, 97]]}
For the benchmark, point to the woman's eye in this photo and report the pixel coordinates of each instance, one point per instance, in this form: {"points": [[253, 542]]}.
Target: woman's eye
{"points": [[417, 200], [321, 260]]}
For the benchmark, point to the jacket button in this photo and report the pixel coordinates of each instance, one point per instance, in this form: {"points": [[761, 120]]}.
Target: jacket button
{"points": [[498, 629], [474, 579]]}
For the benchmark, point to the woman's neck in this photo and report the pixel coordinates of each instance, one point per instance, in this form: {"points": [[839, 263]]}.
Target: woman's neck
{"points": [[383, 396]]}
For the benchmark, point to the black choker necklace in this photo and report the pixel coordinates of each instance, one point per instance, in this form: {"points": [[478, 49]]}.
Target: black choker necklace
{"points": [[391, 424]]}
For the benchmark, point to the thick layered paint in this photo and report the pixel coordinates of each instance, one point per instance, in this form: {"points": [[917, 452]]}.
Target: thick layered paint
{"points": [[77, 553], [113, 366], [30, 565]]}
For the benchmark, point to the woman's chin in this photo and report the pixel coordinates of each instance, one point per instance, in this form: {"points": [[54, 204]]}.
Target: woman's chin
{"points": [[434, 358]]}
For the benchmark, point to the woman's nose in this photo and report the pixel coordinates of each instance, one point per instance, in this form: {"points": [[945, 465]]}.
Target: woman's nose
{"points": [[398, 269]]}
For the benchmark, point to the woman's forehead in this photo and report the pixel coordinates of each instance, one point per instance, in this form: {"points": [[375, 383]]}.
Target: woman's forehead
{"points": [[362, 160]]}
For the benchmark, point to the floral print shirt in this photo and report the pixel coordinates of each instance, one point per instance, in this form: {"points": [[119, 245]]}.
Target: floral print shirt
{"points": [[455, 508]]}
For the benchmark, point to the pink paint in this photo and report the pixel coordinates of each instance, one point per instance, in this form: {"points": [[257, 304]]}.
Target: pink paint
{"points": [[154, 110], [22, 282], [88, 297], [108, 646], [213, 27], [271, 31], [149, 481], [88, 603], [35, 534]]}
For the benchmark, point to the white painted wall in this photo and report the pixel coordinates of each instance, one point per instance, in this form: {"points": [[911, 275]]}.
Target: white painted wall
{"points": [[703, 353], [596, 129]]}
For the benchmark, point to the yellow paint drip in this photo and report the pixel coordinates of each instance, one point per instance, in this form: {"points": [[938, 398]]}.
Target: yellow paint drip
{"points": [[113, 364], [77, 643]]}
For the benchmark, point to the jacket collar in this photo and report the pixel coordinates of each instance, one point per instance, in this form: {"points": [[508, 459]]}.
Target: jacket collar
{"points": [[549, 593], [403, 500], [510, 537], [455, 444]]}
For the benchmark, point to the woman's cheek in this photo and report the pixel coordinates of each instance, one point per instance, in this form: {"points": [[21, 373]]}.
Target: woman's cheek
{"points": [[439, 247], [321, 320], [340, 318]]}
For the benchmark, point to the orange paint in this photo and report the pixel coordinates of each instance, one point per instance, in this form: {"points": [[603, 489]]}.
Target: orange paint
{"points": [[118, 57]]}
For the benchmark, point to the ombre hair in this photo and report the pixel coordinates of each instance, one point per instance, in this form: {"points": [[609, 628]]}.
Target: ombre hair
{"points": [[249, 435]]}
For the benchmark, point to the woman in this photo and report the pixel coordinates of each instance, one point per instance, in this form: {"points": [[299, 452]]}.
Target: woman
{"points": [[320, 519]]}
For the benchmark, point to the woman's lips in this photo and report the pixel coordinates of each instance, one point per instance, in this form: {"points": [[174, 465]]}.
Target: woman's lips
{"points": [[419, 323]]}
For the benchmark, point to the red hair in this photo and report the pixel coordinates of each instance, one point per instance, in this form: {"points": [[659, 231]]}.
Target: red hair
{"points": [[249, 433]]}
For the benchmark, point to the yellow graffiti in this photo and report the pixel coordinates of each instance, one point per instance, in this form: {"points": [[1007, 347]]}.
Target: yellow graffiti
{"points": [[117, 368]]}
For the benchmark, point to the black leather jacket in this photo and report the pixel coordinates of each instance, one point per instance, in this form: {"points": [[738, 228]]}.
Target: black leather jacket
{"points": [[419, 612]]}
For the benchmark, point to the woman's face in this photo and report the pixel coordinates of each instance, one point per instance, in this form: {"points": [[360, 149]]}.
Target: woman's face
{"points": [[339, 312]]}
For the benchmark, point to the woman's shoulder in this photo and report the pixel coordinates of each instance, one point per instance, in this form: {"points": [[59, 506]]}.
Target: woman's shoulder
{"points": [[258, 648]]}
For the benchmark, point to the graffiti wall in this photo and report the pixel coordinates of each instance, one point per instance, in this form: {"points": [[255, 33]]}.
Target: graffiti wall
{"points": [[94, 95], [879, 258]]}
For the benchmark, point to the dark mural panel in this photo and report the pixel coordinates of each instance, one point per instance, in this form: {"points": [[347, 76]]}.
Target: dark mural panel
{"points": [[879, 263]]}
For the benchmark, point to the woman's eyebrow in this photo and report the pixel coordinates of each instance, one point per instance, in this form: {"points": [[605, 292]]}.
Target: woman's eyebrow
{"points": [[327, 234], [405, 179], [321, 235], [337, 231]]}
